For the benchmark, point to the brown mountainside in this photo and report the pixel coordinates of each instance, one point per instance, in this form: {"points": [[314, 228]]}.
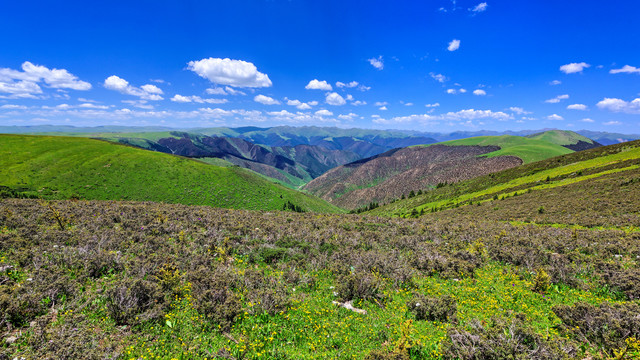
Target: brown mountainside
{"points": [[397, 172]]}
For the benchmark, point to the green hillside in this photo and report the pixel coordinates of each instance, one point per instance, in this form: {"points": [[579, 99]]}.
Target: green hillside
{"points": [[584, 166], [529, 150], [560, 137], [69, 167]]}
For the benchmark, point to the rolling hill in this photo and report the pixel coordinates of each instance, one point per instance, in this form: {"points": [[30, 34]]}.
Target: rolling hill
{"points": [[292, 165], [73, 167], [569, 139], [395, 173], [572, 189]]}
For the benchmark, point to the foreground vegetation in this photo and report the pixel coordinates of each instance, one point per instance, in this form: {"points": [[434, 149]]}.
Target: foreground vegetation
{"points": [[67, 167], [97, 279]]}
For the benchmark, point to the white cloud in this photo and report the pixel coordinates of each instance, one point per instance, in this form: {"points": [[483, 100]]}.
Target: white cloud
{"points": [[33, 74], [299, 104], [381, 103], [432, 105], [555, 117], [557, 99], [349, 116], [262, 99], [462, 91], [555, 82], [347, 85], [479, 92], [612, 122], [232, 91], [146, 92], [20, 89], [519, 110], [359, 103], [13, 107], [452, 91], [454, 45], [216, 91], [464, 116], [574, 67], [377, 63], [235, 73], [92, 106], [312, 103], [438, 77], [587, 120], [619, 105], [197, 99], [408, 104], [626, 69], [349, 97], [324, 112], [315, 84], [140, 104], [334, 99], [383, 108], [577, 107], [480, 7]]}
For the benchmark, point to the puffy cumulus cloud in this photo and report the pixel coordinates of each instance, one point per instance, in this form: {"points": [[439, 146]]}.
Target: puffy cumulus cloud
{"points": [[381, 103], [434, 105], [588, 120], [628, 69], [479, 92], [383, 108], [612, 122], [377, 63], [408, 104], [454, 45], [438, 77], [315, 84], [20, 89], [237, 73], [324, 112], [555, 82], [146, 92], [555, 117], [216, 91], [33, 74], [619, 105], [518, 110], [479, 8], [577, 107], [335, 99], [140, 104], [347, 117], [452, 91], [462, 91], [299, 104], [557, 99], [359, 103], [266, 100], [196, 99], [574, 67]]}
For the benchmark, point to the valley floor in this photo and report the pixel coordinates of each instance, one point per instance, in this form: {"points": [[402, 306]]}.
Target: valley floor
{"points": [[127, 280]]}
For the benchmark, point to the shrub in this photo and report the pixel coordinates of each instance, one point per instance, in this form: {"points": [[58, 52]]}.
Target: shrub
{"points": [[135, 298], [541, 281], [214, 296], [606, 325], [443, 308], [360, 285], [502, 339]]}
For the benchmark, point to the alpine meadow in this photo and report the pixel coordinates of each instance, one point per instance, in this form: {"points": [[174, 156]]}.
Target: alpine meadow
{"points": [[289, 179]]}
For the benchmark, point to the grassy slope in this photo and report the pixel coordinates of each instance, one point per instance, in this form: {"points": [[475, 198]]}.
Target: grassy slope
{"points": [[529, 150], [63, 167], [554, 172], [560, 137]]}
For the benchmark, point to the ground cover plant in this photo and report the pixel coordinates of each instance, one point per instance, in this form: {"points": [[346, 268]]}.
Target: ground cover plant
{"points": [[131, 280]]}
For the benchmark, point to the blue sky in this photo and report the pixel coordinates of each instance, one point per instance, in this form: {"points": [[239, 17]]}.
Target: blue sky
{"points": [[422, 65]]}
